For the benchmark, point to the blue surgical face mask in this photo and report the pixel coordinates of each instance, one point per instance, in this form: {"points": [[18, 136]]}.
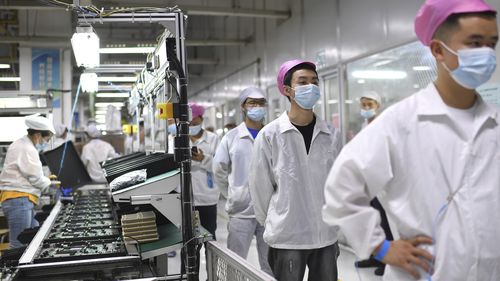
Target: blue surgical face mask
{"points": [[194, 130], [256, 113], [172, 129], [475, 66], [41, 146], [306, 96], [367, 114]]}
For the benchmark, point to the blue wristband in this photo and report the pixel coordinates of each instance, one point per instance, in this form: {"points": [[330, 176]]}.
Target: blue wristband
{"points": [[383, 250]]}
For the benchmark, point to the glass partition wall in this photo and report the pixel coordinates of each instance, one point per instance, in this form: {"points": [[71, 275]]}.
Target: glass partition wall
{"points": [[394, 74]]}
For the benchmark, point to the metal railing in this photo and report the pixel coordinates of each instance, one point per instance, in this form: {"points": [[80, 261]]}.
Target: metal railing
{"points": [[225, 265]]}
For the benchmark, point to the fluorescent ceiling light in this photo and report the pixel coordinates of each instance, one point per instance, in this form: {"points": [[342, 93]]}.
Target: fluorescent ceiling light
{"points": [[379, 74], [88, 82], [382, 62], [116, 79], [127, 50], [105, 104], [112, 95], [361, 81], [422, 68], [333, 101], [10, 79], [100, 112], [4, 66], [85, 45]]}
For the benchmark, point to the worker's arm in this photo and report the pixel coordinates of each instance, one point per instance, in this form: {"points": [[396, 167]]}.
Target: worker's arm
{"points": [[261, 179], [363, 169], [221, 167], [204, 159], [31, 168]]}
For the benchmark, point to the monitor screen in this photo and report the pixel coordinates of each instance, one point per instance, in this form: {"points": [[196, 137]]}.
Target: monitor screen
{"points": [[73, 173]]}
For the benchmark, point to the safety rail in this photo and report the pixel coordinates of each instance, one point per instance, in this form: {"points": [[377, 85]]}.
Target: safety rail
{"points": [[225, 265]]}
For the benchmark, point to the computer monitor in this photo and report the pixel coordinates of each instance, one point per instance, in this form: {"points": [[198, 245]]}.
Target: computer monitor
{"points": [[73, 173]]}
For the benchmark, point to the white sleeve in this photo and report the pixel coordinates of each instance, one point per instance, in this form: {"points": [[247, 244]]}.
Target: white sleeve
{"points": [[360, 172], [261, 179], [206, 163], [221, 167], [30, 166]]}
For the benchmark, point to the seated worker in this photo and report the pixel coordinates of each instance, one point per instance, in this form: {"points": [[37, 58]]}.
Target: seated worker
{"points": [[94, 152], [22, 181]]}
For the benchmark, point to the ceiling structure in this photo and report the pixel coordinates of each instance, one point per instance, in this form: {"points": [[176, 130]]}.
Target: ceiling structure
{"points": [[207, 29]]}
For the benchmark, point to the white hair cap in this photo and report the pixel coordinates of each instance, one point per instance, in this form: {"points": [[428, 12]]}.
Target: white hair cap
{"points": [[37, 122], [92, 131], [60, 129], [373, 96], [251, 92]]}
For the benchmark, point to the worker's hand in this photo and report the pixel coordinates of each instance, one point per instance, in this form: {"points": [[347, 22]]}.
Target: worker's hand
{"points": [[55, 184], [406, 255], [52, 177], [198, 156]]}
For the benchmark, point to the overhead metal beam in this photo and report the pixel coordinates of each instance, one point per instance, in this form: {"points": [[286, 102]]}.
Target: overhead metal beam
{"points": [[190, 10], [65, 41]]}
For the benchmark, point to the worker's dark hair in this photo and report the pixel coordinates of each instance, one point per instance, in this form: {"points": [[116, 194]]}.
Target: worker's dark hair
{"points": [[44, 133], [287, 81], [450, 25]]}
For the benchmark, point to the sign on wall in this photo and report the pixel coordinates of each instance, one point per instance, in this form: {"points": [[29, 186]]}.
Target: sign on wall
{"points": [[46, 72]]}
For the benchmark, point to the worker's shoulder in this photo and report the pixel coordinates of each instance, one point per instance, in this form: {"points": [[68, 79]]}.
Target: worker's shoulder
{"points": [[211, 136], [403, 110], [271, 127]]}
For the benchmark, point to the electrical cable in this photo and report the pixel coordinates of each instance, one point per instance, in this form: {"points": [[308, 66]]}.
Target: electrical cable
{"points": [[70, 126]]}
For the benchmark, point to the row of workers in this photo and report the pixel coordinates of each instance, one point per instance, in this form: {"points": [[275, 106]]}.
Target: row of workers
{"points": [[432, 160]]}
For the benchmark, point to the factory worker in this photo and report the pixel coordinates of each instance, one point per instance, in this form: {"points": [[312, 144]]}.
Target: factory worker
{"points": [[231, 166], [436, 158], [59, 138], [95, 152], [205, 194], [22, 181], [291, 159], [370, 103]]}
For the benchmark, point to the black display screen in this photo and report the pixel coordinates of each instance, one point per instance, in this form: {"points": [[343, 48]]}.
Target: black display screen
{"points": [[73, 173]]}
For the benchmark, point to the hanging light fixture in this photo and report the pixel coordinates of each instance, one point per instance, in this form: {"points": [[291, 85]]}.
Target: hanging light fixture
{"points": [[85, 45]]}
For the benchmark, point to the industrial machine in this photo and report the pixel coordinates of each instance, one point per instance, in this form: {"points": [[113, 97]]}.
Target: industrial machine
{"points": [[82, 238]]}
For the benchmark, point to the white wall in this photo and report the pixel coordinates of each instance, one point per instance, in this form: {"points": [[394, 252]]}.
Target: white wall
{"points": [[322, 31], [42, 23]]}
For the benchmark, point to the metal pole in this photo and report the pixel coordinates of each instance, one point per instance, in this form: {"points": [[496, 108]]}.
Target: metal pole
{"points": [[183, 150]]}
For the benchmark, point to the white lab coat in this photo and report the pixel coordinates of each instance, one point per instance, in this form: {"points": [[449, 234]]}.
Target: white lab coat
{"points": [[93, 153], [201, 172], [22, 170], [231, 168], [417, 155], [287, 184]]}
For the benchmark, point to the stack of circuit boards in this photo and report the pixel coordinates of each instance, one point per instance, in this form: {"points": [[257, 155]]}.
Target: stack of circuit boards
{"points": [[84, 229]]}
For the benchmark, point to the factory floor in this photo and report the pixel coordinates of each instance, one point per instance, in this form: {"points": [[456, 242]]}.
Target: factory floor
{"points": [[347, 271]]}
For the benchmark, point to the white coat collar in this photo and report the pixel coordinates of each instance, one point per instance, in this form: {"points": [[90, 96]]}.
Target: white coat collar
{"points": [[203, 137], [286, 125], [429, 102], [243, 131]]}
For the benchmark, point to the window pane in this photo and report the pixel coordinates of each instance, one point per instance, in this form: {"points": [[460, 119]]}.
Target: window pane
{"points": [[394, 74]]}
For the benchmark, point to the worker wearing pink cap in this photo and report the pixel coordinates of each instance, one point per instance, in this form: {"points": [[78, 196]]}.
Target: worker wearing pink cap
{"points": [[433, 160], [291, 158], [205, 194]]}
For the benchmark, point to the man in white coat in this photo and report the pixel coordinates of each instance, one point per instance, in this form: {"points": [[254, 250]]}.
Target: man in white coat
{"points": [[291, 159], [205, 193], [231, 167], [436, 158], [95, 152]]}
